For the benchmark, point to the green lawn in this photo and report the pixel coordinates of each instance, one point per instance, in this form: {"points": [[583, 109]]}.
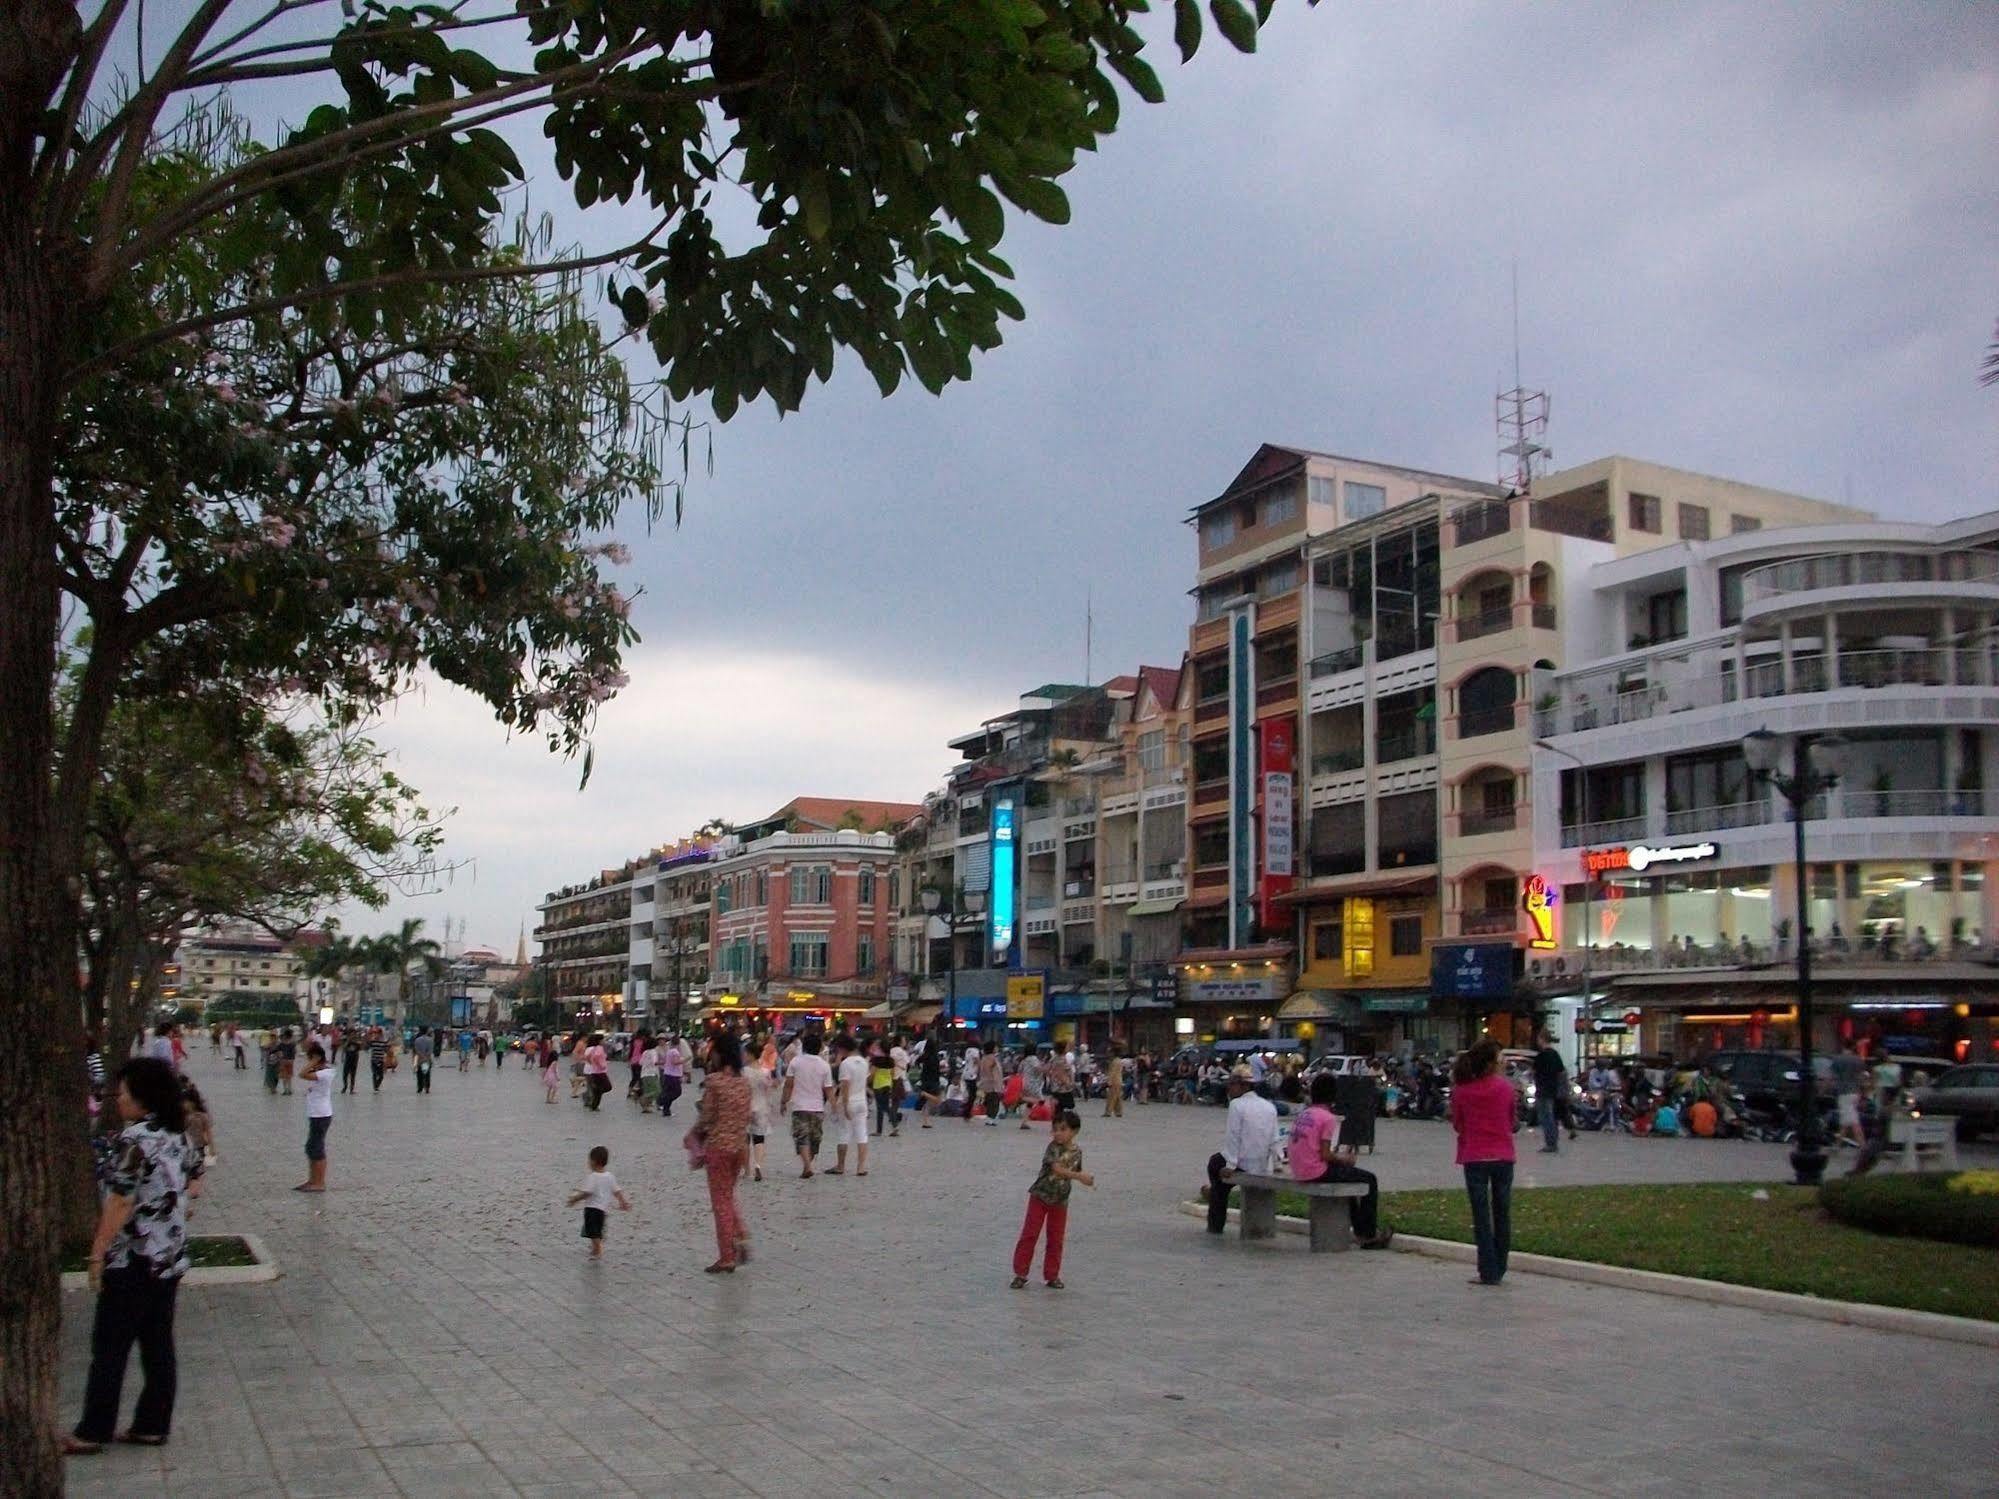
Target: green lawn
{"points": [[1720, 1232], [204, 1252]]}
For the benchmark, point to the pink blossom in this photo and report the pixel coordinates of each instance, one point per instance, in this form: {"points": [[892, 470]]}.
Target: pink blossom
{"points": [[617, 553], [278, 531], [225, 392]]}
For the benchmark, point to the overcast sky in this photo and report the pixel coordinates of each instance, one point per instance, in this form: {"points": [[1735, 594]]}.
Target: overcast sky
{"points": [[1757, 241]]}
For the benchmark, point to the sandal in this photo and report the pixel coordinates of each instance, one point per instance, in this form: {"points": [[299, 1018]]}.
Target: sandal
{"points": [[718, 1268], [1017, 1282], [860, 1173], [78, 1447], [142, 1439], [1056, 1285]]}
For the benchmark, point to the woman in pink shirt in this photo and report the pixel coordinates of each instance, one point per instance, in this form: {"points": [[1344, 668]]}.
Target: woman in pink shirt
{"points": [[1316, 1156], [1483, 1110], [596, 1072]]}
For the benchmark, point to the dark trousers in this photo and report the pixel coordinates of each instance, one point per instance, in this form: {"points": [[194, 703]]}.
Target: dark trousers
{"points": [[1489, 1184], [241, 1064], [375, 1070], [886, 1112], [1366, 1210], [132, 1308], [349, 1065], [1218, 1194], [423, 1077]]}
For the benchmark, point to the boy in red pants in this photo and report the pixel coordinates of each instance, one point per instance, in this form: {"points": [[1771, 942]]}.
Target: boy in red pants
{"points": [[1048, 1201]]}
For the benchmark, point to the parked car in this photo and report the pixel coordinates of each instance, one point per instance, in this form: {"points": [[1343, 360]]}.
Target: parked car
{"points": [[1770, 1082], [1969, 1094]]}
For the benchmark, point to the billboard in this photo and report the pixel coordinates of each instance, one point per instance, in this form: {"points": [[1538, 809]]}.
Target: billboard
{"points": [[1000, 901], [1242, 775], [1472, 970], [1279, 757]]}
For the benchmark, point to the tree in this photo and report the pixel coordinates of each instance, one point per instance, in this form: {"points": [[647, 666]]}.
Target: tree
{"points": [[397, 952], [876, 141]]}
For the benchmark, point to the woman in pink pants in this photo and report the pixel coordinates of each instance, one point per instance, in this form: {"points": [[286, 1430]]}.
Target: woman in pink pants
{"points": [[724, 1123]]}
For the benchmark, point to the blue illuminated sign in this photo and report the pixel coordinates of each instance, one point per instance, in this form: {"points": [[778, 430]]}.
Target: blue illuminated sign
{"points": [[1472, 970], [1001, 901]]}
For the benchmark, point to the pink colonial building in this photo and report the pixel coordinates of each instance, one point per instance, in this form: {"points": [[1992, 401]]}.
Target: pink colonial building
{"points": [[802, 915]]}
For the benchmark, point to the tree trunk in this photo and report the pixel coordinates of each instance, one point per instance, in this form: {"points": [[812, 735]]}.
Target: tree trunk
{"points": [[41, 1092]]}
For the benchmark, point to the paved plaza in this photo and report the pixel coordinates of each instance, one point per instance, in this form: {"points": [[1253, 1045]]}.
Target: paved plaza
{"points": [[437, 1331]]}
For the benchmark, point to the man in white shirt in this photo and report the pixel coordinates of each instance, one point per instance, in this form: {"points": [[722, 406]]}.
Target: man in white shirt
{"points": [[808, 1084], [968, 1075], [1247, 1140], [848, 1121]]}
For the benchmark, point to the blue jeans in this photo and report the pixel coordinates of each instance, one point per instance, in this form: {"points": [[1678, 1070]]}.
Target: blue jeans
{"points": [[1489, 1184], [1544, 1106]]}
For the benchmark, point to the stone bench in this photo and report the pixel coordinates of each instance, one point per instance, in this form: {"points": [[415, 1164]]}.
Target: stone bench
{"points": [[1331, 1221], [1920, 1138]]}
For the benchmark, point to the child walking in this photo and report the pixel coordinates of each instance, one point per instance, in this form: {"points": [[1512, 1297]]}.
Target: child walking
{"points": [[551, 1070], [599, 1190], [1048, 1201]]}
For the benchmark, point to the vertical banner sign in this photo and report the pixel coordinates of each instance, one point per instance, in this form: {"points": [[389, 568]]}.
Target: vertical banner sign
{"points": [[1279, 776], [1539, 899], [999, 902], [1242, 774]]}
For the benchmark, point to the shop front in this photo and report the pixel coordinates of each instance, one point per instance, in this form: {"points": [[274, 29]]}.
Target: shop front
{"points": [[1941, 1013], [1233, 1000]]}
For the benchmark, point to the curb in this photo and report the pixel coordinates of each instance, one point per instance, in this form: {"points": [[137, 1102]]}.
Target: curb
{"points": [[266, 1269], [1938, 1325]]}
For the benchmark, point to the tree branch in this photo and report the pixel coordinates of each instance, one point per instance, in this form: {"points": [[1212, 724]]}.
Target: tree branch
{"points": [[413, 277], [82, 73]]}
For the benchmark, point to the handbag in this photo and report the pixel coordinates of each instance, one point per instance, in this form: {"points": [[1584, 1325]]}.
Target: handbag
{"points": [[695, 1143]]}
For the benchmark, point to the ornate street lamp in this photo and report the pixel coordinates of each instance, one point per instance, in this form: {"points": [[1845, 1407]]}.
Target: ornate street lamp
{"points": [[1815, 768]]}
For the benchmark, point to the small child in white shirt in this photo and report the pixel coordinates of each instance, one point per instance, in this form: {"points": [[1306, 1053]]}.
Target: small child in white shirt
{"points": [[599, 1190]]}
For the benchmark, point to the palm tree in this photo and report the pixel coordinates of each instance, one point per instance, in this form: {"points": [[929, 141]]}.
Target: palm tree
{"points": [[399, 951]]}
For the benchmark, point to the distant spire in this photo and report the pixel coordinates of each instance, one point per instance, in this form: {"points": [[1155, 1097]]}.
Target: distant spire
{"points": [[521, 948]]}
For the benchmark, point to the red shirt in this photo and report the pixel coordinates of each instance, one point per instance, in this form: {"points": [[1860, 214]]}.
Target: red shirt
{"points": [[1482, 1114]]}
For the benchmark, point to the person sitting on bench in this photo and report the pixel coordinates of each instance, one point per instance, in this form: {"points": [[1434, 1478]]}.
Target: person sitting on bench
{"points": [[1316, 1156]]}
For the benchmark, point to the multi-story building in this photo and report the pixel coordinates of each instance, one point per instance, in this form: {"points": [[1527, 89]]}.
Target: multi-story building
{"points": [[1314, 664], [244, 962], [1429, 613], [1675, 867], [586, 940], [801, 916], [682, 898]]}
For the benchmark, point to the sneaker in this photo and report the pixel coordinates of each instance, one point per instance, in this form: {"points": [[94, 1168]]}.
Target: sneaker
{"points": [[1380, 1241], [1056, 1285], [1550, 1150], [1018, 1282]]}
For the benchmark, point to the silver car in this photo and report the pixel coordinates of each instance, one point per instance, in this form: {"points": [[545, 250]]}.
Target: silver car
{"points": [[1969, 1094]]}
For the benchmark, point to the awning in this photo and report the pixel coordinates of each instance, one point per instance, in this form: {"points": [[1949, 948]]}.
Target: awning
{"points": [[921, 1014], [1155, 907], [1305, 895], [881, 1011], [1308, 1004]]}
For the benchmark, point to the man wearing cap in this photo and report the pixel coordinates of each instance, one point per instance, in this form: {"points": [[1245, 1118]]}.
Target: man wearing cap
{"points": [[1247, 1140]]}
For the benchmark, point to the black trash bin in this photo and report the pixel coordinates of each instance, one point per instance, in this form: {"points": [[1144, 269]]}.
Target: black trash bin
{"points": [[1356, 1101]]}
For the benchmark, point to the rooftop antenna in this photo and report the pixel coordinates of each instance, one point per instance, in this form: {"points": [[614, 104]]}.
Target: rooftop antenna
{"points": [[1522, 417], [1089, 633]]}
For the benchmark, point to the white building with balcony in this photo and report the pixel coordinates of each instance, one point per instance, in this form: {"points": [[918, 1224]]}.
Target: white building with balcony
{"points": [[1676, 869]]}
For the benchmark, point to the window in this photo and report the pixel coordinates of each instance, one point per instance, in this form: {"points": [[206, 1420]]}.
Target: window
{"points": [[1339, 839], [1666, 616], [1218, 530], [1211, 760], [1278, 578], [1693, 523], [808, 953], [895, 889], [1405, 936], [1485, 702], [864, 954], [1498, 891], [867, 892], [811, 884], [723, 905], [1278, 507], [1326, 942], [763, 887], [1739, 524], [1319, 491], [1480, 519], [1408, 829], [1211, 680], [1152, 750], [1211, 844], [1719, 778], [1645, 512], [1364, 501]]}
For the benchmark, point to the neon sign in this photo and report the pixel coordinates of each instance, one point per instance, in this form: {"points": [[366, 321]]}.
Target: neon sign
{"points": [[1539, 903], [1639, 857]]}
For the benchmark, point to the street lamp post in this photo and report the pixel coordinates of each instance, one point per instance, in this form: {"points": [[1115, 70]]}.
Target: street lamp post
{"points": [[934, 904], [1815, 768]]}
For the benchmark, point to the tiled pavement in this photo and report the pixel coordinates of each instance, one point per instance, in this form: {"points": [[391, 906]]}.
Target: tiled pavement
{"points": [[438, 1332]]}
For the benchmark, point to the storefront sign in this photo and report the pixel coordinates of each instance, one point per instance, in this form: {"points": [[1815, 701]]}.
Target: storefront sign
{"points": [[1601, 1025], [1357, 938], [1003, 869], [1538, 899], [1279, 764], [1640, 857], [1026, 997], [1209, 991], [1395, 1004], [1242, 775], [1472, 970]]}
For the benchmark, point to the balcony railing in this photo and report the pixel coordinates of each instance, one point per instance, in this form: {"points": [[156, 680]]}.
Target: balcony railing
{"points": [[1544, 616], [1486, 622], [1163, 869], [1494, 820], [1039, 903], [1334, 662], [1276, 692], [1858, 569], [1608, 830], [1337, 861], [1715, 819], [1477, 521], [1406, 744], [1476, 721], [1487, 923], [1971, 803], [1335, 762]]}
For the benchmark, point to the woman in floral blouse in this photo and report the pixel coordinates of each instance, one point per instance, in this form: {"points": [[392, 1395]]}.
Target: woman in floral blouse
{"points": [[138, 1257], [724, 1124]]}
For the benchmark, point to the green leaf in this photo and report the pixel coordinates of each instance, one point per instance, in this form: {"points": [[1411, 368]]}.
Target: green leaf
{"points": [[817, 206], [1187, 27], [1137, 72], [1039, 197], [983, 218], [1235, 22]]}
